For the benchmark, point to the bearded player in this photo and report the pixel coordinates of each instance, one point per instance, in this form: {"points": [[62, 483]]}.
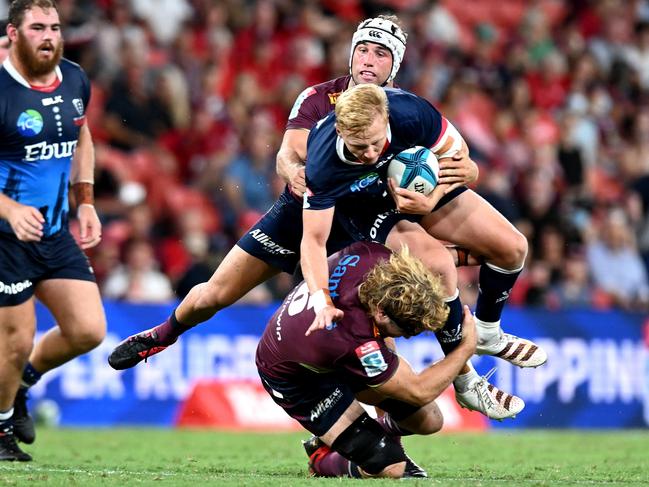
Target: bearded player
{"points": [[45, 145]]}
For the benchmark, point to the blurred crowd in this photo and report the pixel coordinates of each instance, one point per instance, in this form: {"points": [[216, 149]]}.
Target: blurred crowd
{"points": [[190, 100]]}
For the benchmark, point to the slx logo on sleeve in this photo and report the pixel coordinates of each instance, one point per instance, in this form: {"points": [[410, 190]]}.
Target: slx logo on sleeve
{"points": [[371, 358]]}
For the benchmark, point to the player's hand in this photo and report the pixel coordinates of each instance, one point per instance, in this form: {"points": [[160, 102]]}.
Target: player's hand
{"points": [[325, 318], [89, 226], [297, 180], [26, 222], [412, 202], [458, 170], [469, 332]]}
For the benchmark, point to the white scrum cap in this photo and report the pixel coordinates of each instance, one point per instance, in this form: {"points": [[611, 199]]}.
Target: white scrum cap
{"points": [[384, 32]]}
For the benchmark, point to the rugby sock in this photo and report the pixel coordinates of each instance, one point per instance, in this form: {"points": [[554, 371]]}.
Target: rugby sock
{"points": [[333, 464], [169, 331], [391, 427], [494, 286], [7, 422], [450, 335], [462, 381], [30, 376]]}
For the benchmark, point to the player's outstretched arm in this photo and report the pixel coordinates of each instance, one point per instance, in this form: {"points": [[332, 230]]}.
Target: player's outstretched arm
{"points": [[290, 159], [422, 388], [317, 226]]}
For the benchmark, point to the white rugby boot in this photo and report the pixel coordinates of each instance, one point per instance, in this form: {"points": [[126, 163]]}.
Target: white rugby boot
{"points": [[487, 399], [515, 350]]}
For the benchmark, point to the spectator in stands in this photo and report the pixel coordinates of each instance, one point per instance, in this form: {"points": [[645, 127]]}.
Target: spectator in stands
{"points": [[616, 264], [138, 280]]}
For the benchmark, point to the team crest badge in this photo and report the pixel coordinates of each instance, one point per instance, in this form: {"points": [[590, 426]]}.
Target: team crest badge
{"points": [[78, 105]]}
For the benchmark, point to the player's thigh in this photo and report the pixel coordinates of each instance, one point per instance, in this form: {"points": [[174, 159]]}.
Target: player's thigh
{"points": [[17, 328], [236, 275], [76, 306], [470, 221], [428, 249]]}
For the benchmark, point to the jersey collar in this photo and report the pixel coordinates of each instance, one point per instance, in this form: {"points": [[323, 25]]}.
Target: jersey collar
{"points": [[13, 72], [343, 154]]}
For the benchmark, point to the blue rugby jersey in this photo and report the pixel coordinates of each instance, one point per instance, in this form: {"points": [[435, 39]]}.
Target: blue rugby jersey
{"points": [[335, 180], [38, 136]]}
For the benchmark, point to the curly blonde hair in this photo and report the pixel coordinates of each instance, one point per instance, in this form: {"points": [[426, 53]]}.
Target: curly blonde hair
{"points": [[406, 291], [357, 108]]}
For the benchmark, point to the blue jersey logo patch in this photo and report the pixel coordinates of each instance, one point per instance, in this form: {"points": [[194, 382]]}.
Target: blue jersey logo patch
{"points": [[30, 123], [364, 182]]}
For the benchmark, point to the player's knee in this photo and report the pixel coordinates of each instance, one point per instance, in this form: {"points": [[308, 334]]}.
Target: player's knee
{"points": [[87, 336], [432, 423], [18, 350], [366, 444], [512, 253]]}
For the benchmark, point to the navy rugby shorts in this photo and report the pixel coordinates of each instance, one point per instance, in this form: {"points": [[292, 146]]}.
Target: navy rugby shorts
{"points": [[276, 237], [24, 264], [367, 224]]}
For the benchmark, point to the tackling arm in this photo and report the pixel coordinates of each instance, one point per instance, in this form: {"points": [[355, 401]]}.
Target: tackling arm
{"points": [[422, 388], [290, 159]]}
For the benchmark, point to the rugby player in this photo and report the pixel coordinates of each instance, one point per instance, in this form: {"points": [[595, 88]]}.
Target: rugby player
{"points": [[45, 144], [319, 378]]}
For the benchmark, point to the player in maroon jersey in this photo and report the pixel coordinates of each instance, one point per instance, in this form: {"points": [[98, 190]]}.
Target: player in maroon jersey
{"points": [[318, 378]]}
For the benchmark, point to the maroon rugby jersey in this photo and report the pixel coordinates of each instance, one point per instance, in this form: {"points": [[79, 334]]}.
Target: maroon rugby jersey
{"points": [[316, 102], [351, 348]]}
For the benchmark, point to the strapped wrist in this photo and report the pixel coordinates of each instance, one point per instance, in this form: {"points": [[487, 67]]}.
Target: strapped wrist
{"points": [[321, 299]]}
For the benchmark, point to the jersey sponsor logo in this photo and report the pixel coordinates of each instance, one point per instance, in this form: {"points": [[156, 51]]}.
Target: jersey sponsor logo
{"points": [[30, 123], [78, 105], [333, 97], [339, 271], [364, 182], [15, 287], [371, 358], [326, 404], [44, 151], [295, 111], [268, 243], [380, 218], [52, 100]]}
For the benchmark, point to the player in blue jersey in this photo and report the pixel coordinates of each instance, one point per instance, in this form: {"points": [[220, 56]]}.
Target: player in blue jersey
{"points": [[318, 379], [45, 145]]}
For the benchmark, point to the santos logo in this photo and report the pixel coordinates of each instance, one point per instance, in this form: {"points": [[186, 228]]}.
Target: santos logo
{"points": [[15, 287], [44, 151]]}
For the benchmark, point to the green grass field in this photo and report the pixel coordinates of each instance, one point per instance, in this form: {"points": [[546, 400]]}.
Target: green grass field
{"points": [[76, 457]]}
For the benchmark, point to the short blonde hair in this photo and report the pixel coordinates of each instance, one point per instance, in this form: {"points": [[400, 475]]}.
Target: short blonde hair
{"points": [[357, 108], [406, 291]]}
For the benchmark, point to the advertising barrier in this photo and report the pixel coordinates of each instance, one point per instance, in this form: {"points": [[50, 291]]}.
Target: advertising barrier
{"points": [[597, 375]]}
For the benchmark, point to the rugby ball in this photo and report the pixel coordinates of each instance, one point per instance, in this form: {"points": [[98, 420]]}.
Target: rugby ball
{"points": [[415, 169]]}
